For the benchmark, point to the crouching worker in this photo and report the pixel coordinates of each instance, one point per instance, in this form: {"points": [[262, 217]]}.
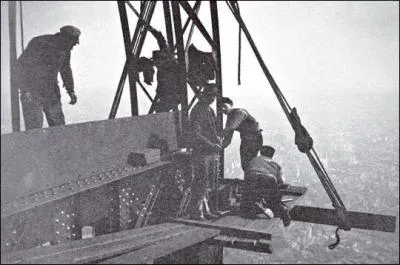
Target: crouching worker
{"points": [[261, 193]]}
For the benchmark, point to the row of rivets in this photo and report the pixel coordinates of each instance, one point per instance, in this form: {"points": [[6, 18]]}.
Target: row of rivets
{"points": [[33, 198]]}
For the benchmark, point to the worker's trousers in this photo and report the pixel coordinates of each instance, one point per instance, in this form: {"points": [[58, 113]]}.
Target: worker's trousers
{"points": [[205, 178], [33, 107], [259, 188]]}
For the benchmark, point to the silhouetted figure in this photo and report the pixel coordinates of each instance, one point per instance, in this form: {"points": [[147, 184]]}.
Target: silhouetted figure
{"points": [[36, 74]]}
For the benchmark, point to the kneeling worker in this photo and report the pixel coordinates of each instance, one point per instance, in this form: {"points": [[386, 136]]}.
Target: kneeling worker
{"points": [[261, 193]]}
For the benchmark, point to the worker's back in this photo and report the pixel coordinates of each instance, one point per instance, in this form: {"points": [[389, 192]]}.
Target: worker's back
{"points": [[41, 61]]}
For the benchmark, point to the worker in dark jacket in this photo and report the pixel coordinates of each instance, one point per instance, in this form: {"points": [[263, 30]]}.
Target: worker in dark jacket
{"points": [[36, 72], [261, 190], [168, 90], [250, 133], [206, 147]]}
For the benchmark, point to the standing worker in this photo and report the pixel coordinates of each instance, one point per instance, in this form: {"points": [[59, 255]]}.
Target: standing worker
{"points": [[250, 133], [36, 73], [206, 147]]}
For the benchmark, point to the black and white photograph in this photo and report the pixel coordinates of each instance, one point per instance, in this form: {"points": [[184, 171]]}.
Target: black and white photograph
{"points": [[200, 132]]}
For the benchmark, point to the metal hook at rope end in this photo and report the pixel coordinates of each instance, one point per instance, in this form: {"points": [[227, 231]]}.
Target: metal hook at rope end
{"points": [[334, 245]]}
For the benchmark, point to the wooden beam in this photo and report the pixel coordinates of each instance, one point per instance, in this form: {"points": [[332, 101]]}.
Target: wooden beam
{"points": [[360, 220]]}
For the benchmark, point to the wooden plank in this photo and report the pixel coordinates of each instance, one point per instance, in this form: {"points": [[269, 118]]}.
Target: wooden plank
{"points": [[227, 229], [71, 246], [103, 251], [369, 221], [167, 246]]}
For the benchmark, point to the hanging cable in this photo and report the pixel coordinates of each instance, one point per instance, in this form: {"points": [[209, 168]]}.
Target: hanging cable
{"points": [[333, 245], [22, 26], [239, 47]]}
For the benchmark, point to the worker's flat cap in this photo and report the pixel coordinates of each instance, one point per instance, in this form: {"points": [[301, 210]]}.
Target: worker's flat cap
{"points": [[267, 150], [71, 31]]}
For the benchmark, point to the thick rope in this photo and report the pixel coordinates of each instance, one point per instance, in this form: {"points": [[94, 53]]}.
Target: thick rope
{"points": [[239, 48], [22, 26]]}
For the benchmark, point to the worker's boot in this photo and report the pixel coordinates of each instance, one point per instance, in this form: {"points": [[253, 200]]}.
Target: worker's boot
{"points": [[282, 211], [273, 201], [198, 213]]}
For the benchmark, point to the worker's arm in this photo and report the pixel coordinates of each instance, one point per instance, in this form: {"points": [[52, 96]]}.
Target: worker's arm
{"points": [[162, 43], [201, 139], [227, 138], [279, 176], [234, 119], [66, 75]]}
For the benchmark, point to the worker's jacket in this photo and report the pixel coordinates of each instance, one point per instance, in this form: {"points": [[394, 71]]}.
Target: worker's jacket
{"points": [[38, 66], [265, 166], [243, 122], [204, 130]]}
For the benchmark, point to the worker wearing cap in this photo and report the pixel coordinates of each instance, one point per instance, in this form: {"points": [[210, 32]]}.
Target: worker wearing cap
{"points": [[250, 133], [36, 72], [261, 190], [206, 146]]}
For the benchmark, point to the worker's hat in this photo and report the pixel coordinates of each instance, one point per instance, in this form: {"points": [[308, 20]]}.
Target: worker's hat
{"points": [[267, 150], [71, 31]]}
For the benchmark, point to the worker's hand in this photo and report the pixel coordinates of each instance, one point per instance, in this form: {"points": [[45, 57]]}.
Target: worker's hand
{"points": [[73, 98]]}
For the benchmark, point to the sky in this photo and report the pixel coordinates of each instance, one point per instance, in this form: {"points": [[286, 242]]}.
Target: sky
{"points": [[310, 48]]}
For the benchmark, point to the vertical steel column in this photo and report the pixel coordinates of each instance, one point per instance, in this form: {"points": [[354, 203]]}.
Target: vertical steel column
{"points": [[217, 56], [182, 67], [127, 41], [168, 24], [12, 18]]}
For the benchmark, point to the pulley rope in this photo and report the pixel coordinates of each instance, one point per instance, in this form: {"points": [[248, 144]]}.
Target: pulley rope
{"points": [[315, 161], [22, 26], [239, 48]]}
